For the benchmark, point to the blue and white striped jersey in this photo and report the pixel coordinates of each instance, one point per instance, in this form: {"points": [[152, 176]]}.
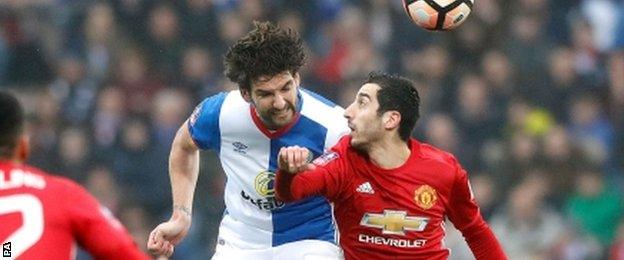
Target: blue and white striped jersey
{"points": [[248, 152]]}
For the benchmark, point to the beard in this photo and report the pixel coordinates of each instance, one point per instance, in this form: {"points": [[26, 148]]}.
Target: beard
{"points": [[359, 143], [362, 140], [271, 120]]}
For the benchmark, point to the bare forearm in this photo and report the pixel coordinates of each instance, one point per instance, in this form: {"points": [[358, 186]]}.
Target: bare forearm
{"points": [[183, 171]]}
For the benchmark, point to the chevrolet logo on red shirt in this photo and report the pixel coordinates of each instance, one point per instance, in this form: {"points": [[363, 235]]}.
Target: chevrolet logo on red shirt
{"points": [[394, 222]]}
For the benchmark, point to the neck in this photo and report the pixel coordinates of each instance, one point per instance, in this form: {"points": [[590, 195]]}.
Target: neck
{"points": [[389, 153]]}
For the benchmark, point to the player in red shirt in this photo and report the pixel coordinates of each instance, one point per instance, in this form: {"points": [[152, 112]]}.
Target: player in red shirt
{"points": [[44, 216], [391, 193]]}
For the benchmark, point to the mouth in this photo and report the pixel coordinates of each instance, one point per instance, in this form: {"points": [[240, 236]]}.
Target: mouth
{"points": [[352, 127], [281, 113]]}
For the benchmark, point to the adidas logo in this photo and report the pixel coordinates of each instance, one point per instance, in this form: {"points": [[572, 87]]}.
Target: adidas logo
{"points": [[365, 188]]}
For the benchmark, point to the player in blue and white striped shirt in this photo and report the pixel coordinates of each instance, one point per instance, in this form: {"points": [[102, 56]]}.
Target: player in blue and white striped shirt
{"points": [[247, 128]]}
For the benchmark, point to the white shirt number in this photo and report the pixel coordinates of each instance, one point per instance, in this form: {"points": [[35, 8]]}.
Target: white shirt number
{"points": [[32, 225]]}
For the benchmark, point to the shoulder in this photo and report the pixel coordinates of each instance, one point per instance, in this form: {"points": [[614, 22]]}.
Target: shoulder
{"points": [[215, 102], [209, 110], [216, 98], [65, 185], [437, 157], [321, 110], [58, 189], [309, 94], [343, 146], [37, 178], [54, 183], [206, 107], [338, 151]]}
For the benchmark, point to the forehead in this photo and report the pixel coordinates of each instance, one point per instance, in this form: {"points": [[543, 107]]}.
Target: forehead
{"points": [[269, 83], [370, 90]]}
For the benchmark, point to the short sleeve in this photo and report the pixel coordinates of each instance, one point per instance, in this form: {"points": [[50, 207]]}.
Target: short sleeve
{"points": [[203, 124]]}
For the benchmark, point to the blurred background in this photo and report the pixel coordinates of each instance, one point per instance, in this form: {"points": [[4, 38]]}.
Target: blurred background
{"points": [[529, 95]]}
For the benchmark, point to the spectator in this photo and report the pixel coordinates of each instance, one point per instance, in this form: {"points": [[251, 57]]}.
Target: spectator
{"points": [[74, 90], [596, 207], [166, 44], [553, 66], [132, 76], [102, 40], [106, 122], [137, 167], [591, 128], [528, 228], [73, 155], [476, 117], [199, 77]]}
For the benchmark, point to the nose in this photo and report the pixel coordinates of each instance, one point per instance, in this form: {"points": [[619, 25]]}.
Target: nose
{"points": [[348, 113], [279, 102]]}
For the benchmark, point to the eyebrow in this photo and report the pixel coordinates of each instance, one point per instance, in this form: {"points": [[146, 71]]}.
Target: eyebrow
{"points": [[291, 81], [261, 91], [364, 95]]}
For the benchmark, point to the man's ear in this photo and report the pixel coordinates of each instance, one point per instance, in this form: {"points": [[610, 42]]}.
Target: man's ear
{"points": [[391, 119], [246, 93], [297, 79], [22, 151]]}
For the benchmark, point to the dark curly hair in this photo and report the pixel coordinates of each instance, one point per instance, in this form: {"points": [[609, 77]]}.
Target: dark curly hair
{"points": [[399, 94], [265, 51]]}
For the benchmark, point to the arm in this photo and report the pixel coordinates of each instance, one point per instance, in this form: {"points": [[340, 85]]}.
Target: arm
{"points": [[183, 173], [200, 131], [183, 170], [465, 215], [97, 230], [297, 178], [291, 187]]}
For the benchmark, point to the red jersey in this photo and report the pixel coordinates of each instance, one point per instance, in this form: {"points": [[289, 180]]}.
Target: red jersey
{"points": [[396, 213], [44, 217]]}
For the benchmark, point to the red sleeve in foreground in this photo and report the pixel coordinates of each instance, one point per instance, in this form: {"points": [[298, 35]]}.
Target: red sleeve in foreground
{"points": [[484, 244], [326, 179], [465, 215], [293, 187], [97, 230]]}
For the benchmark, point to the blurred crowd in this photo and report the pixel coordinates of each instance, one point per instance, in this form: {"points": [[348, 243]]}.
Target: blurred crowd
{"points": [[528, 94]]}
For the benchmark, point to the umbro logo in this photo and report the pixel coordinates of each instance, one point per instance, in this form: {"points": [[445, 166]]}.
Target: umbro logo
{"points": [[365, 188], [240, 147]]}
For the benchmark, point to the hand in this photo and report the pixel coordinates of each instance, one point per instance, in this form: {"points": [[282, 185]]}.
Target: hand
{"points": [[295, 159], [168, 234]]}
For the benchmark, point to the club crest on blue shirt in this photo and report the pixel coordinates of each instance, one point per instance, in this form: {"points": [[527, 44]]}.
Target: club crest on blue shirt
{"points": [[264, 186], [325, 158]]}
